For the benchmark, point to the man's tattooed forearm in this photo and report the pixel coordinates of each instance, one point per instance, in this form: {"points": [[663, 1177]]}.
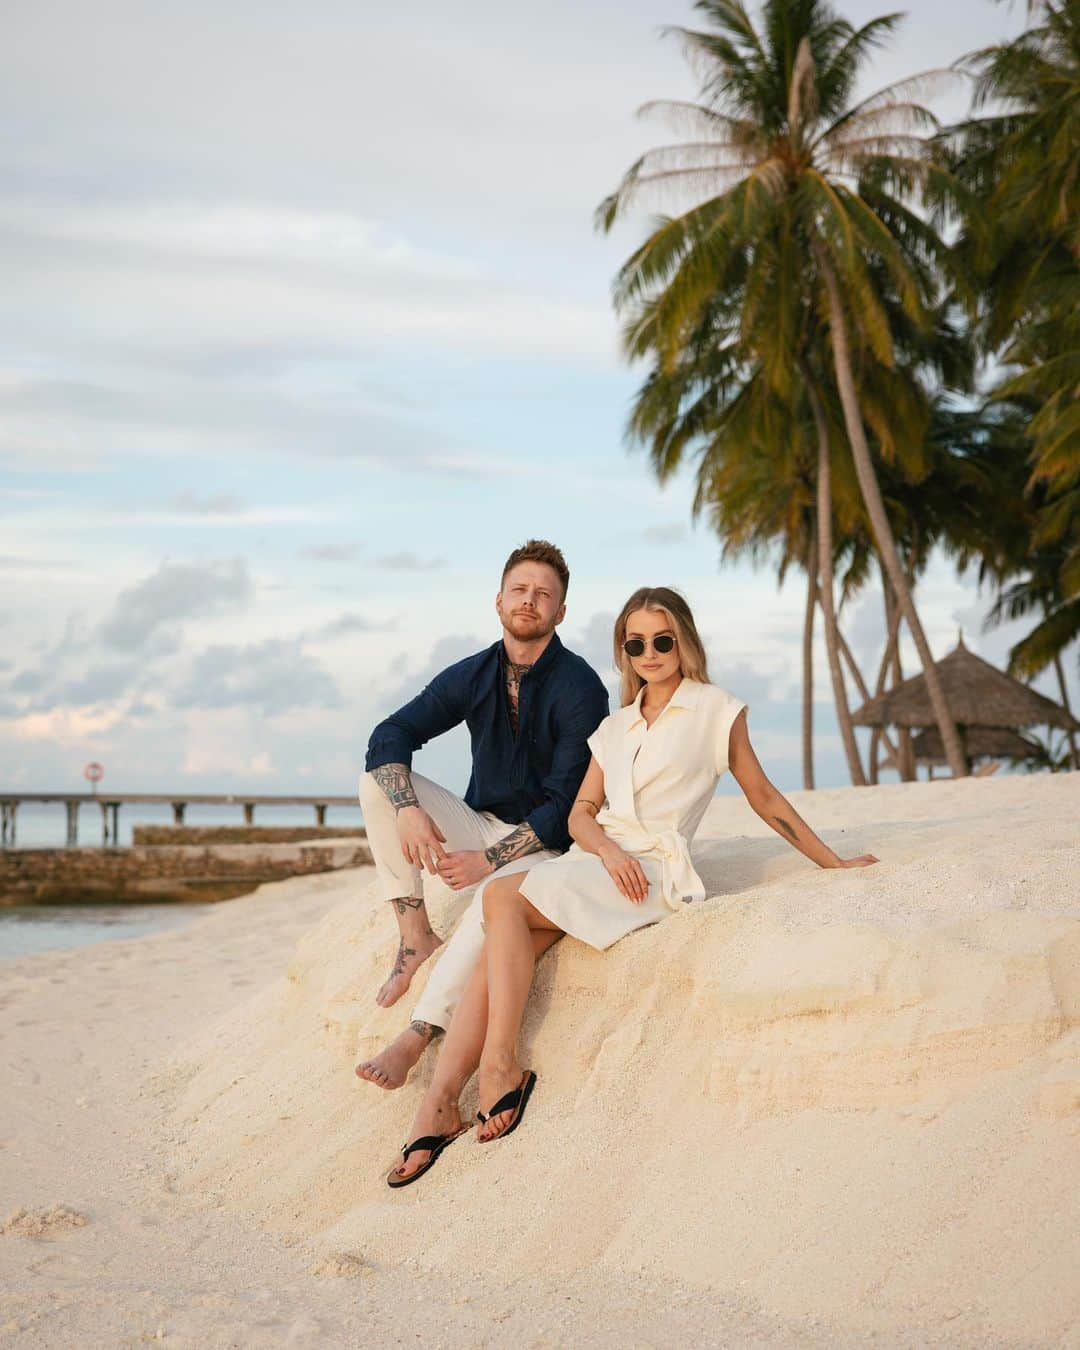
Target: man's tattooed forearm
{"points": [[585, 801], [396, 781], [786, 826], [425, 1029], [516, 844], [405, 902]]}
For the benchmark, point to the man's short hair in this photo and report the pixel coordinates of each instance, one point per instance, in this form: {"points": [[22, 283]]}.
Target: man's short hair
{"points": [[539, 550]]}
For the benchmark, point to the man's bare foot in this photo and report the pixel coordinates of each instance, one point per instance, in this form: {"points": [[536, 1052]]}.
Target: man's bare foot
{"points": [[392, 1065], [436, 1116], [411, 955], [497, 1078]]}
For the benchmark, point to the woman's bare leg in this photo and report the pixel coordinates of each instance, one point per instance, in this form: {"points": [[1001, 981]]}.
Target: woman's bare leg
{"points": [[512, 926], [459, 1055]]}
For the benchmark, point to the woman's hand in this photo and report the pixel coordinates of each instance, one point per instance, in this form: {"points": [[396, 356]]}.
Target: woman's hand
{"points": [[626, 872], [863, 860]]}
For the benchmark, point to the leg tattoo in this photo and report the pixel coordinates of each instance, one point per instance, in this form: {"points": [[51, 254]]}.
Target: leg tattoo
{"points": [[403, 903], [426, 1030], [403, 954]]}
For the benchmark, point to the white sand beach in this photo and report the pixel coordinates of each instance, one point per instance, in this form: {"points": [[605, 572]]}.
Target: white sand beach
{"points": [[821, 1108]]}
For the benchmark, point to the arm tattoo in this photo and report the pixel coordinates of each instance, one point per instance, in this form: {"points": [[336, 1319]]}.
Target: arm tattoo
{"points": [[403, 902], [585, 801], [513, 845], [396, 782], [787, 827]]}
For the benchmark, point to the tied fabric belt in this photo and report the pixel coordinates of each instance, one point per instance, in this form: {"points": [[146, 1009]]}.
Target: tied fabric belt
{"points": [[679, 882]]}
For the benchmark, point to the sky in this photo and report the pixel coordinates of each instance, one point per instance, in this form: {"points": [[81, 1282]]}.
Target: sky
{"points": [[304, 326]]}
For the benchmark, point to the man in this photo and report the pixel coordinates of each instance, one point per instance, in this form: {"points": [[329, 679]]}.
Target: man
{"points": [[529, 705]]}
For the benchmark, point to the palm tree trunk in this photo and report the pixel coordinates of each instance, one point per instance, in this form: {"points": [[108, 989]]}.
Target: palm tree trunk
{"points": [[864, 694], [808, 665], [825, 583], [879, 521], [1065, 704]]}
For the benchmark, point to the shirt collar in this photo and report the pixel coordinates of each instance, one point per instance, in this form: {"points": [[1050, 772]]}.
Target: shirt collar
{"points": [[547, 657], [686, 696]]}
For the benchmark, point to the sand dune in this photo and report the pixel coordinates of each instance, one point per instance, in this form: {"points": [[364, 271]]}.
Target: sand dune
{"points": [[848, 1097]]}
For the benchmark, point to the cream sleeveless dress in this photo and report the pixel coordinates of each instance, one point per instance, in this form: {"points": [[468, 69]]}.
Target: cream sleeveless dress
{"points": [[658, 781]]}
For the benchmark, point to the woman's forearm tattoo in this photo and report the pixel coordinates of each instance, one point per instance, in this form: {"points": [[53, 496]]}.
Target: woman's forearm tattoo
{"points": [[516, 844], [396, 782], [787, 827]]}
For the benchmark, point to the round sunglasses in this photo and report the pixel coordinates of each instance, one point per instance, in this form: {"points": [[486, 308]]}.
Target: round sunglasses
{"points": [[636, 646]]}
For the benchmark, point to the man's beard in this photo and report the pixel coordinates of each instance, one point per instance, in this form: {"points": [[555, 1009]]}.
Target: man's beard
{"points": [[526, 629]]}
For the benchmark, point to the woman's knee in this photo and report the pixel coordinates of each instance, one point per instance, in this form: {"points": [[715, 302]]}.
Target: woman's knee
{"points": [[499, 895]]}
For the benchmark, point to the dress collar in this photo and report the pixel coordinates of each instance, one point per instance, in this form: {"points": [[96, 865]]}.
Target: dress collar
{"points": [[685, 696]]}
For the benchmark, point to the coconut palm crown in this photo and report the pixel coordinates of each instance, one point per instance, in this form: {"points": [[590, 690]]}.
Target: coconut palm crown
{"points": [[803, 220]]}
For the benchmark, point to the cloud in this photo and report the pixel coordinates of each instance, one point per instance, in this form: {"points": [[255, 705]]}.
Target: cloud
{"points": [[346, 624], [445, 653], [334, 553], [658, 535], [11, 563], [189, 503], [101, 684], [594, 644], [275, 676], [176, 591], [408, 562]]}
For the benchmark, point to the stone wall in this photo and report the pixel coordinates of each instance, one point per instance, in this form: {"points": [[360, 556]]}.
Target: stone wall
{"points": [[186, 872], [238, 834]]}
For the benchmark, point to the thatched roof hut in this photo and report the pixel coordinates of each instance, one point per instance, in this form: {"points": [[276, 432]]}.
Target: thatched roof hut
{"points": [[978, 743], [979, 695]]}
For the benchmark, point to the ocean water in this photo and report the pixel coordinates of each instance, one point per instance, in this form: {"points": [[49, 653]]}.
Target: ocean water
{"points": [[41, 825], [26, 930]]}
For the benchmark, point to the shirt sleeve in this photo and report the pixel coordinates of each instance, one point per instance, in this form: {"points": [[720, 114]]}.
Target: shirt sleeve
{"points": [[597, 743], [729, 709], [568, 764], [437, 708]]}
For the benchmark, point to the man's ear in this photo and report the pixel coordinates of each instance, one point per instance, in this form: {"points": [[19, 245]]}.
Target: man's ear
{"points": [[498, 603], [561, 614]]}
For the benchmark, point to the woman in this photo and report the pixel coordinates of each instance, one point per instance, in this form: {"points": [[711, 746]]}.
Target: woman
{"points": [[655, 763]]}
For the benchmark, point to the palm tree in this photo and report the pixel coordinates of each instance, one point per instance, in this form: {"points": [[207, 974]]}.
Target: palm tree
{"points": [[805, 217], [1020, 166], [758, 457]]}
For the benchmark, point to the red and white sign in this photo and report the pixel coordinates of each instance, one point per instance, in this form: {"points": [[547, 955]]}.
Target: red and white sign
{"points": [[94, 773]]}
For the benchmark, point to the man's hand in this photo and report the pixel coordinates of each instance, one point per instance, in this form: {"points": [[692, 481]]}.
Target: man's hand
{"points": [[465, 868], [421, 839]]}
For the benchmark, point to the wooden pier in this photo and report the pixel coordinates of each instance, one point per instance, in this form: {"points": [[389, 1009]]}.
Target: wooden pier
{"points": [[110, 804]]}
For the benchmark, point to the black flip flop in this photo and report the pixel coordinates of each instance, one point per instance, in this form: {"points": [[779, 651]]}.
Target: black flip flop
{"points": [[515, 1101], [435, 1142]]}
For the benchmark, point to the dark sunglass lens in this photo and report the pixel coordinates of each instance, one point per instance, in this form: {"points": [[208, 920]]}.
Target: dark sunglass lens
{"points": [[664, 643], [634, 647]]}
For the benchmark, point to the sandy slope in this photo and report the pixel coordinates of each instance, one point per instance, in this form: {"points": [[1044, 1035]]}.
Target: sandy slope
{"points": [[821, 1108], [850, 1095]]}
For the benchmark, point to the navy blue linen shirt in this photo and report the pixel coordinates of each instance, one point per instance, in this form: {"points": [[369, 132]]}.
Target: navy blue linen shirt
{"points": [[531, 777]]}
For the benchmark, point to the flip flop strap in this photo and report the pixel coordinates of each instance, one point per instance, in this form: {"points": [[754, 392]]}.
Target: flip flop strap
{"points": [[430, 1142], [510, 1101]]}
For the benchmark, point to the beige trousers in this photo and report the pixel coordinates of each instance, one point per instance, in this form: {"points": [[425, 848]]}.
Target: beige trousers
{"points": [[464, 828]]}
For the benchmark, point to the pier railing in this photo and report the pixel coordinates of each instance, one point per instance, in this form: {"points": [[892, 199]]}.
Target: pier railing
{"points": [[110, 804]]}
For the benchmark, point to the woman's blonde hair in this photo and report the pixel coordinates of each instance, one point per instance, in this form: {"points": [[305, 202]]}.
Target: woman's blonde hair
{"points": [[660, 599]]}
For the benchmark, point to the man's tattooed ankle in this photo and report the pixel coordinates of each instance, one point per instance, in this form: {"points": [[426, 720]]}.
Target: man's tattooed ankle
{"points": [[425, 1029]]}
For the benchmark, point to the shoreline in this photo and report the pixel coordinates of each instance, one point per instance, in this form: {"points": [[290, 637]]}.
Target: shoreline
{"points": [[190, 1095]]}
